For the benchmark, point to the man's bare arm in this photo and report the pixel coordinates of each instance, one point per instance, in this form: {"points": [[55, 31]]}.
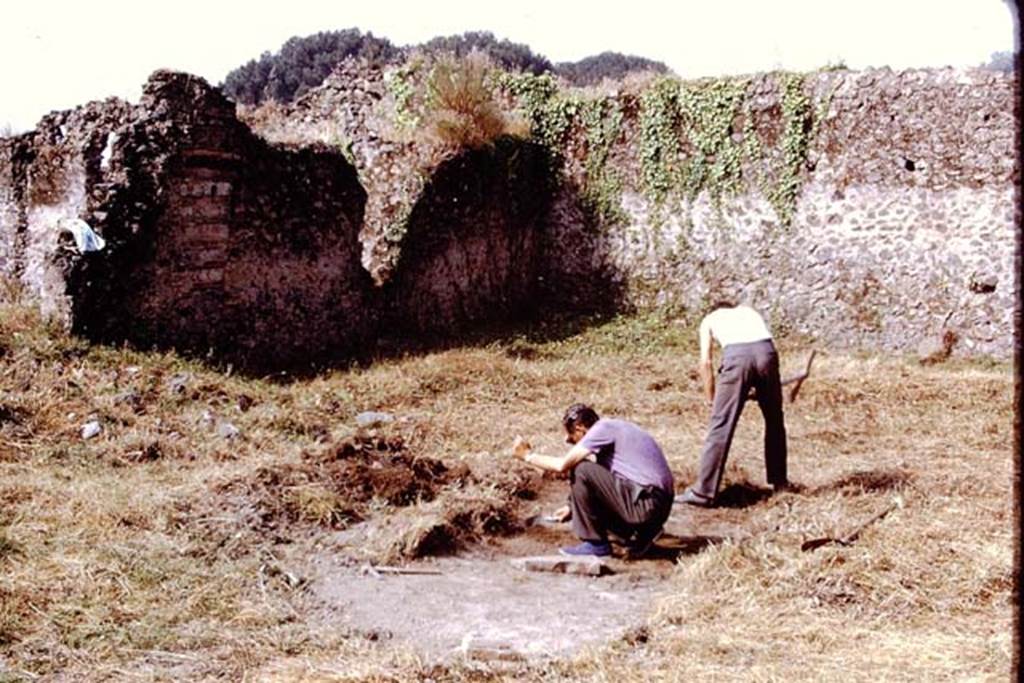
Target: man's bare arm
{"points": [[707, 374], [707, 366], [561, 464]]}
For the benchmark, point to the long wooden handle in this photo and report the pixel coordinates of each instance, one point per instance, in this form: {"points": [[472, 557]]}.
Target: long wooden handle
{"points": [[799, 379], [796, 380]]}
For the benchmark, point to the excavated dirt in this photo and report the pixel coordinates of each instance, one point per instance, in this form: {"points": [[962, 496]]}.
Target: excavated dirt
{"points": [[419, 552], [338, 486], [367, 466], [369, 484]]}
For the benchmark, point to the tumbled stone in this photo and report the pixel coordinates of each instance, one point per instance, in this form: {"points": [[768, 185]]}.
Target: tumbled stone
{"points": [[560, 564]]}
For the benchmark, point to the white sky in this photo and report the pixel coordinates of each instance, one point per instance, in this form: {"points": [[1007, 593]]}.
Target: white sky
{"points": [[58, 54]]}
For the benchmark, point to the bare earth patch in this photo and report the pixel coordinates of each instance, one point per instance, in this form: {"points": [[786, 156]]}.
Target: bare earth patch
{"points": [[477, 605]]}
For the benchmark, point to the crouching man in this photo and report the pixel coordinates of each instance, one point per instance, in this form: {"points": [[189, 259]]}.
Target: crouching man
{"points": [[620, 482]]}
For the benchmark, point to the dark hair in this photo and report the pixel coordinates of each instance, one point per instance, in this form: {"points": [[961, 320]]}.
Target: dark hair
{"points": [[579, 413], [719, 303]]}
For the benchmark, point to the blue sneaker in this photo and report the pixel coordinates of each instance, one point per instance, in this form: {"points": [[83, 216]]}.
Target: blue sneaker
{"points": [[599, 549]]}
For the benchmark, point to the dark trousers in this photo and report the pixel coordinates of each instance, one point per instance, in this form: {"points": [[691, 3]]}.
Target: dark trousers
{"points": [[744, 366], [602, 502]]}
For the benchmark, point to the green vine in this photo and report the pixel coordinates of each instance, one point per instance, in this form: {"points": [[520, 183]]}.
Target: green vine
{"points": [[692, 138], [716, 160], [797, 124], [689, 141], [550, 115], [401, 84], [602, 190], [659, 139]]}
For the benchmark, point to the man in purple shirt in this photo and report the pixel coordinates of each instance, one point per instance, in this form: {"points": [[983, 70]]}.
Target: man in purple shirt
{"points": [[620, 482]]}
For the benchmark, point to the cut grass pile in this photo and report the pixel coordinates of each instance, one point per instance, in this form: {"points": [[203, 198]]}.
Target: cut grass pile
{"points": [[171, 546]]}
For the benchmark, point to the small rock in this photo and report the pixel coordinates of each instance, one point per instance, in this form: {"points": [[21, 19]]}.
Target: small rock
{"points": [[983, 284], [227, 430], [488, 650], [176, 385], [559, 564], [91, 429], [372, 419], [132, 399]]}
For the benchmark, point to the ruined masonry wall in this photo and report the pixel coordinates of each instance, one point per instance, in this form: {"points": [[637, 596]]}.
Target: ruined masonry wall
{"points": [[904, 231], [216, 241], [903, 235]]}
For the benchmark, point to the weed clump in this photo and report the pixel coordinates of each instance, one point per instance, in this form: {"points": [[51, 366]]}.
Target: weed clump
{"points": [[461, 111]]}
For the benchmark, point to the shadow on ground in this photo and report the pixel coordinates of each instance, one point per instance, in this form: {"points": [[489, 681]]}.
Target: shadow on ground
{"points": [[868, 481], [671, 547], [742, 495]]}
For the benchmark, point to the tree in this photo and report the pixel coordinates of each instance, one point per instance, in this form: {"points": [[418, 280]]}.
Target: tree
{"points": [[1001, 61], [301, 64], [592, 70], [508, 55]]}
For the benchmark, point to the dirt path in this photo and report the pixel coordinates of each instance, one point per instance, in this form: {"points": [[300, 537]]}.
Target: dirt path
{"points": [[478, 604]]}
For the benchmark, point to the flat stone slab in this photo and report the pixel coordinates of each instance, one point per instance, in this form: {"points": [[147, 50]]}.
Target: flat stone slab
{"points": [[561, 564]]}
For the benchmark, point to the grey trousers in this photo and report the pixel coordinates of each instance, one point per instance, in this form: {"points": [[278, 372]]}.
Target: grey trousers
{"points": [[744, 366], [602, 502]]}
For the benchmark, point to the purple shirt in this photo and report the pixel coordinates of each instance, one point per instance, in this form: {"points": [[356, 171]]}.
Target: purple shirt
{"points": [[629, 452]]}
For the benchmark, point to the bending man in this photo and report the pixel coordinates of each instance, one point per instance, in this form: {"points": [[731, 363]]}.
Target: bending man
{"points": [[620, 482], [749, 361]]}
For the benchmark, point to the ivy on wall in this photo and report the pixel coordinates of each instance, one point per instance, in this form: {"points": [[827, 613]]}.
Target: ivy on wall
{"points": [[659, 138], [797, 123], [692, 138], [552, 116], [549, 113], [602, 187], [716, 158], [400, 83]]}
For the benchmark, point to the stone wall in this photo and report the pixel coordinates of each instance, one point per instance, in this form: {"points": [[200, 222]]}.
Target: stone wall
{"points": [[312, 246], [215, 241], [472, 248], [221, 243], [903, 230], [451, 236]]}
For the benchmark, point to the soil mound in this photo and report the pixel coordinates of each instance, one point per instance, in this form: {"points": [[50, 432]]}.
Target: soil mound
{"points": [[870, 481], [366, 466], [343, 483], [380, 496]]}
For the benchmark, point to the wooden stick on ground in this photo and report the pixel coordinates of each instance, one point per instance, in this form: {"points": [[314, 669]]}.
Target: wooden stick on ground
{"points": [[851, 536], [381, 569]]}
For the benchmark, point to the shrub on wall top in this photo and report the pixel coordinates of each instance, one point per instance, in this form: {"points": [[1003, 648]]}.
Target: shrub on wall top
{"points": [[461, 111]]}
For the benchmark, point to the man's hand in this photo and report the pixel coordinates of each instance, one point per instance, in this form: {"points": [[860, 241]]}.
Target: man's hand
{"points": [[520, 447], [562, 514]]}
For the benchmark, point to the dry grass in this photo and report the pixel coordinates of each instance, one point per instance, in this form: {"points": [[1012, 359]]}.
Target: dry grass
{"points": [[461, 110], [137, 555]]}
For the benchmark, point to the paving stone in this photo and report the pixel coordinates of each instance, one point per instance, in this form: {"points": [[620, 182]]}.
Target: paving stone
{"points": [[561, 564]]}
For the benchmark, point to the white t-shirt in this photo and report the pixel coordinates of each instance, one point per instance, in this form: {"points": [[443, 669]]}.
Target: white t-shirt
{"points": [[740, 325]]}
